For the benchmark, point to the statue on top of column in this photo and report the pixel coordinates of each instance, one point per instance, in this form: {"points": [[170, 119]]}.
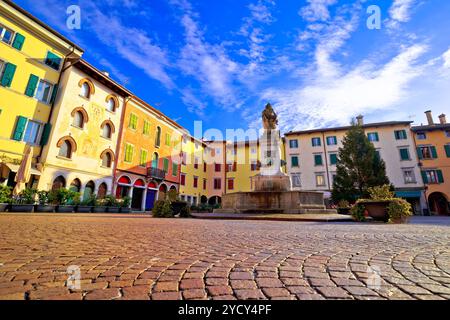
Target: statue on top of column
{"points": [[269, 118]]}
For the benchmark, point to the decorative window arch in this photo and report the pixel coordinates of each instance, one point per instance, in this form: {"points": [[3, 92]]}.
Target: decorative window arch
{"points": [[107, 158], [70, 140], [83, 112], [155, 160], [59, 183], [111, 126], [75, 185], [115, 100], [102, 190], [124, 180], [90, 85], [158, 136]]}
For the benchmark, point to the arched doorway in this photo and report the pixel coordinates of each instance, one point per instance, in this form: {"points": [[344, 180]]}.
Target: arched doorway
{"points": [[439, 203], [151, 195], [102, 190], [204, 200], [75, 185], [162, 192], [215, 200], [89, 190], [58, 183], [138, 195], [123, 187]]}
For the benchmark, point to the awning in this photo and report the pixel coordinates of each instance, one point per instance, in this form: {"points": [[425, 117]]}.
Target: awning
{"points": [[15, 168], [408, 194]]}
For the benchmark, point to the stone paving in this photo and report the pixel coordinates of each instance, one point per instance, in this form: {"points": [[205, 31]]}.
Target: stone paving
{"points": [[137, 257]]}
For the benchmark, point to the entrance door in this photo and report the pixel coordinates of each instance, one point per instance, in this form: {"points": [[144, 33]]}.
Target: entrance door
{"points": [[136, 202], [150, 201], [438, 203]]}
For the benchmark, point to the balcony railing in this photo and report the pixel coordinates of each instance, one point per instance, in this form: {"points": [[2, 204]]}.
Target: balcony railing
{"points": [[156, 173]]}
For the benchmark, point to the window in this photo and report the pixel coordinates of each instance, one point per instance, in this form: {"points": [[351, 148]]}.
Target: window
{"points": [[195, 182], [6, 35], [166, 165], [377, 154], [204, 184], [155, 160], [32, 132], [196, 145], [78, 120], [143, 158], [65, 150], [320, 179], [146, 130], [204, 166], [230, 184], [44, 91], [254, 165], [129, 151], [373, 136], [217, 184], [174, 169], [183, 179], [158, 137], [111, 105], [433, 176], [333, 159], [107, 131], [293, 144], [447, 150], [196, 163], [296, 182], [427, 152], [106, 160], [447, 133], [400, 135], [133, 121], [404, 154], [7, 74], [421, 136], [229, 167], [217, 167], [318, 160], [253, 150], [53, 61], [218, 151], [409, 176], [316, 142], [168, 138], [85, 90], [294, 161], [331, 141]]}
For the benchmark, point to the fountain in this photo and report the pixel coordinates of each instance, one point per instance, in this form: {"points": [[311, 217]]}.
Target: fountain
{"points": [[271, 188]]}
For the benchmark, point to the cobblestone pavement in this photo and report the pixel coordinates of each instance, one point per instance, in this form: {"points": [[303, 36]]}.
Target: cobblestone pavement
{"points": [[137, 257]]}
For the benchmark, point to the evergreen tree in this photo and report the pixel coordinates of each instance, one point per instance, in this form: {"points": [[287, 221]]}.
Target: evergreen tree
{"points": [[359, 167]]}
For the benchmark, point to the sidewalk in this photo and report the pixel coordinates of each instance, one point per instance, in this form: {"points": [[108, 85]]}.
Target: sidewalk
{"points": [[308, 217]]}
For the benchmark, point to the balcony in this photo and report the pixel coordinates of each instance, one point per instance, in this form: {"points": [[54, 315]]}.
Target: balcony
{"points": [[156, 173]]}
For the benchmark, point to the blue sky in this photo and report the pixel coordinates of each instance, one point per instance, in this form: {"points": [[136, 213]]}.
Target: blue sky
{"points": [[315, 60]]}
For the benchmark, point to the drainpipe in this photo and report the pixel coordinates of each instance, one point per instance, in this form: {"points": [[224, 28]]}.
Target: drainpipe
{"points": [[420, 168]]}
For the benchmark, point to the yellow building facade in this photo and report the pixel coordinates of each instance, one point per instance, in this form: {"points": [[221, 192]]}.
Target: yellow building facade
{"points": [[31, 60]]}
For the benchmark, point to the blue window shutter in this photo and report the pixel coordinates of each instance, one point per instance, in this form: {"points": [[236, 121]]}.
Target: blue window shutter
{"points": [[32, 84], [433, 152], [46, 134], [20, 128], [424, 177], [8, 75], [440, 176], [18, 41]]}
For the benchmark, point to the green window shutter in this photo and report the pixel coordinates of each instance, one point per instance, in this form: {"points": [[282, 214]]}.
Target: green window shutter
{"points": [[144, 156], [54, 93], [333, 159], [433, 152], [377, 137], [397, 135], [20, 128], [166, 165], [440, 176], [18, 41], [294, 161], [404, 154], [405, 136], [46, 134], [424, 177], [318, 160], [419, 153], [447, 150], [174, 169], [32, 84], [335, 140], [8, 75]]}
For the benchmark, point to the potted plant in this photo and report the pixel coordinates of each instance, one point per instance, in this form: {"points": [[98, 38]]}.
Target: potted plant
{"points": [[5, 196], [343, 207], [65, 200], [24, 202], [86, 205], [100, 206], [112, 204], [44, 203], [124, 204]]}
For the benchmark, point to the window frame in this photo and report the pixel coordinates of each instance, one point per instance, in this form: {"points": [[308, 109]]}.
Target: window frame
{"points": [[50, 93], [317, 175], [316, 142], [109, 166], [68, 154], [413, 176], [2, 34], [48, 65], [132, 124], [38, 133], [373, 134], [293, 143], [107, 125], [334, 142], [293, 177], [217, 183], [126, 153], [143, 165]]}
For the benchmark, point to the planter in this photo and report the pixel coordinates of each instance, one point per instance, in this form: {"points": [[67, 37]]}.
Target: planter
{"points": [[125, 210], [113, 209], [377, 210], [4, 207], [44, 208], [343, 211], [84, 209], [100, 209], [21, 208], [65, 209]]}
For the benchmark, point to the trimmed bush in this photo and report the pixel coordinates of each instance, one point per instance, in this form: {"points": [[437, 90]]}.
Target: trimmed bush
{"points": [[162, 209], [5, 194]]}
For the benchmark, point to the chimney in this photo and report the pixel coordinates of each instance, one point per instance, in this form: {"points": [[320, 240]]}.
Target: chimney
{"points": [[429, 117], [360, 120], [443, 119]]}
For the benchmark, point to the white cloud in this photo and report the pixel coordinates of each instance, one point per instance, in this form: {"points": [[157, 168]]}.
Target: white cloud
{"points": [[123, 79], [194, 105], [446, 57], [316, 10], [400, 10]]}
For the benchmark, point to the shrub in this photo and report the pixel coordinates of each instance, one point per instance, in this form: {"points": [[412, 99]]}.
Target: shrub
{"points": [[185, 212], [63, 197], [162, 209], [111, 201], [358, 212], [399, 209], [344, 204], [89, 202], [124, 202], [5, 194], [380, 193], [43, 197], [27, 196], [172, 195]]}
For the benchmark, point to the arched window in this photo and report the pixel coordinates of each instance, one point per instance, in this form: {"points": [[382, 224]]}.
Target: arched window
{"points": [[106, 160], [59, 183], [107, 131], [111, 105], [75, 185], [102, 190], [158, 137], [155, 160], [65, 150], [89, 190], [85, 90], [78, 119]]}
